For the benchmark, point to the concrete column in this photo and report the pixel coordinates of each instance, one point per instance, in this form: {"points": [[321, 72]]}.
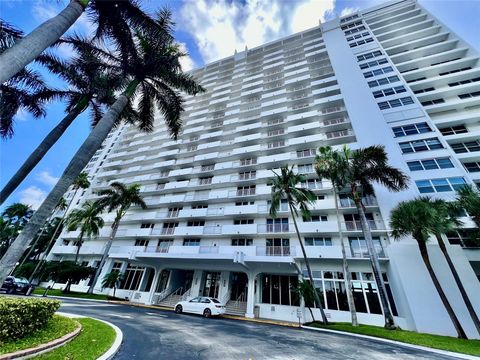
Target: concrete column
{"points": [[154, 285], [251, 295]]}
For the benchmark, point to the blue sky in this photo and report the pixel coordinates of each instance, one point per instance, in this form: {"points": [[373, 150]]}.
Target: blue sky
{"points": [[209, 30]]}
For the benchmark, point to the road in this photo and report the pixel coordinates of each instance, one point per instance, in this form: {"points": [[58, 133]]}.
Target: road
{"points": [[157, 334]]}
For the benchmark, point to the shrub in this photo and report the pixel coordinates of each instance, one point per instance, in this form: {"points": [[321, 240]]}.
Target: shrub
{"points": [[20, 317]]}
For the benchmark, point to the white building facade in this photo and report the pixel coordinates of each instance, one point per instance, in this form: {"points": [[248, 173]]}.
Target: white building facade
{"points": [[390, 75]]}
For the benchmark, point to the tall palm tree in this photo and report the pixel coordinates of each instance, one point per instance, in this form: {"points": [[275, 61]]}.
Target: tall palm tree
{"points": [[357, 171], [19, 92], [447, 221], [119, 198], [113, 21], [419, 219], [91, 84], [112, 280], [86, 219], [155, 74], [329, 165], [284, 186]]}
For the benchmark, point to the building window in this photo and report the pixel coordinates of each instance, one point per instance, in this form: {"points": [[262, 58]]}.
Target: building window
{"points": [[411, 129], [173, 212], [430, 164], [318, 241], [246, 190], [465, 147], [242, 242], [191, 147], [305, 153], [389, 91], [216, 124], [315, 218], [383, 105], [248, 175], [463, 82], [377, 72], [359, 249], [305, 169], [369, 55], [169, 228], [276, 132], [196, 223], [275, 121], [164, 173], [440, 185], [160, 186], [353, 223], [280, 290], [191, 242], [433, 102], [208, 167], [141, 242], [249, 161], [244, 203], [243, 222], [312, 184], [473, 166], [453, 130], [200, 206], [147, 226], [276, 144], [383, 81], [469, 95], [117, 266], [132, 277], [373, 63], [420, 145], [421, 91], [277, 225], [205, 180]]}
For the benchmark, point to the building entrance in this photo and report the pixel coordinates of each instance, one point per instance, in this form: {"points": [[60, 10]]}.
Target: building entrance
{"points": [[212, 284], [239, 283]]}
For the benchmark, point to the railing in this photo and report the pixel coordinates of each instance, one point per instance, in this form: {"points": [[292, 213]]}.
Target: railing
{"points": [[357, 225], [163, 294], [364, 254], [208, 249], [241, 298], [366, 201], [226, 297], [211, 230], [186, 294], [276, 251]]}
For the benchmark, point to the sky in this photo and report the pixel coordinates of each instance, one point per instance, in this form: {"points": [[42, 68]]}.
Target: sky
{"points": [[209, 30]]}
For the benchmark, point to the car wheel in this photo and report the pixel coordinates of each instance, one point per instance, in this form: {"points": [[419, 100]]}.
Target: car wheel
{"points": [[178, 309], [207, 313]]}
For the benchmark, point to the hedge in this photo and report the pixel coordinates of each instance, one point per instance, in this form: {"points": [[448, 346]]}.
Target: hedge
{"points": [[22, 316]]}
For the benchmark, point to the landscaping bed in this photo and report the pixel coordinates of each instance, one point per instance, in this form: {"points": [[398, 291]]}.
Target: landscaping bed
{"points": [[57, 327], [470, 347], [94, 340], [72, 294]]}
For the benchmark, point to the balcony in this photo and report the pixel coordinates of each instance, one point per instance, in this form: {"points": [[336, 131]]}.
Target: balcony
{"points": [[357, 226], [275, 251]]}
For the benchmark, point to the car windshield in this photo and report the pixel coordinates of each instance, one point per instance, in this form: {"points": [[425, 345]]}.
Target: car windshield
{"points": [[197, 299], [215, 301]]}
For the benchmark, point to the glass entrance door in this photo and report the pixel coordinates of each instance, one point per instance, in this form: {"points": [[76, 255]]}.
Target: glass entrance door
{"points": [[212, 284], [239, 285]]}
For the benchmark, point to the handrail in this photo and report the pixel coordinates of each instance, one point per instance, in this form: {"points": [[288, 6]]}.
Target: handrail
{"points": [[241, 298], [186, 294], [226, 297]]}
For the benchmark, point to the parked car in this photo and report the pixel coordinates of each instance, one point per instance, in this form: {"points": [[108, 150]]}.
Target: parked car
{"points": [[13, 285], [205, 306]]}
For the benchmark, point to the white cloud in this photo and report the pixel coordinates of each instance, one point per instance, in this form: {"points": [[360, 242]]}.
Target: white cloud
{"points": [[186, 61], [42, 11], [32, 196], [221, 26], [348, 10], [46, 178]]}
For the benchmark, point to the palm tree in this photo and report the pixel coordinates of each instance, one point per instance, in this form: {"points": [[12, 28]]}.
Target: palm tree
{"points": [[284, 186], [447, 221], [88, 220], [306, 291], [329, 165], [357, 171], [156, 72], [119, 198], [112, 280], [113, 21], [20, 91], [419, 219], [92, 83], [469, 200]]}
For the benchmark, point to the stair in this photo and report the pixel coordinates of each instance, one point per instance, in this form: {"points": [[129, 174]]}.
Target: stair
{"points": [[237, 308], [170, 301]]}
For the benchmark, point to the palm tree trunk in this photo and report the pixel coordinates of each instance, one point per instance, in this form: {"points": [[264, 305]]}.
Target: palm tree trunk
{"points": [[74, 168], [426, 259], [346, 270], [31, 46], [115, 225], [307, 264], [459, 283], [382, 292], [42, 150], [80, 240]]}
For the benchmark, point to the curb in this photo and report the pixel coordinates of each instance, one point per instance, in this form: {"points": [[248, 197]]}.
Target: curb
{"points": [[260, 321], [72, 298], [398, 343], [43, 348], [116, 343]]}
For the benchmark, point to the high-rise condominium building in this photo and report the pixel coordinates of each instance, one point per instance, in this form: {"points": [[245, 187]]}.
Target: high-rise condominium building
{"points": [[392, 75]]}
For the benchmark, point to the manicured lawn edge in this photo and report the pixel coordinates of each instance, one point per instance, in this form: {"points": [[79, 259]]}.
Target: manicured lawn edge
{"points": [[77, 295], [466, 349], [95, 341], [32, 343]]}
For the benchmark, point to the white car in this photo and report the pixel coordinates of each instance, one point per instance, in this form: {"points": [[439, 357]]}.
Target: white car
{"points": [[205, 306]]}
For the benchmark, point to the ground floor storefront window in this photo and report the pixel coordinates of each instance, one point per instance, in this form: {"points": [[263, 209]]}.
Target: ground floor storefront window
{"points": [[331, 285], [132, 277], [279, 289]]}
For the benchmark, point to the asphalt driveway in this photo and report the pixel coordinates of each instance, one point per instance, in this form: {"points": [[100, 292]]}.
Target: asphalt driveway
{"points": [[157, 334]]}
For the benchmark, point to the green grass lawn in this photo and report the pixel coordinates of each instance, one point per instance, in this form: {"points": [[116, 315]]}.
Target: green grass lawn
{"points": [[57, 327], [471, 347], [93, 341], [58, 292]]}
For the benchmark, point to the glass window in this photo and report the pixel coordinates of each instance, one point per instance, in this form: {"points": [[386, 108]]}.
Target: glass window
{"points": [[414, 165]]}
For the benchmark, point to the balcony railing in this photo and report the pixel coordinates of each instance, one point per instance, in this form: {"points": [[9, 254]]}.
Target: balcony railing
{"points": [[276, 251], [275, 228], [357, 225]]}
